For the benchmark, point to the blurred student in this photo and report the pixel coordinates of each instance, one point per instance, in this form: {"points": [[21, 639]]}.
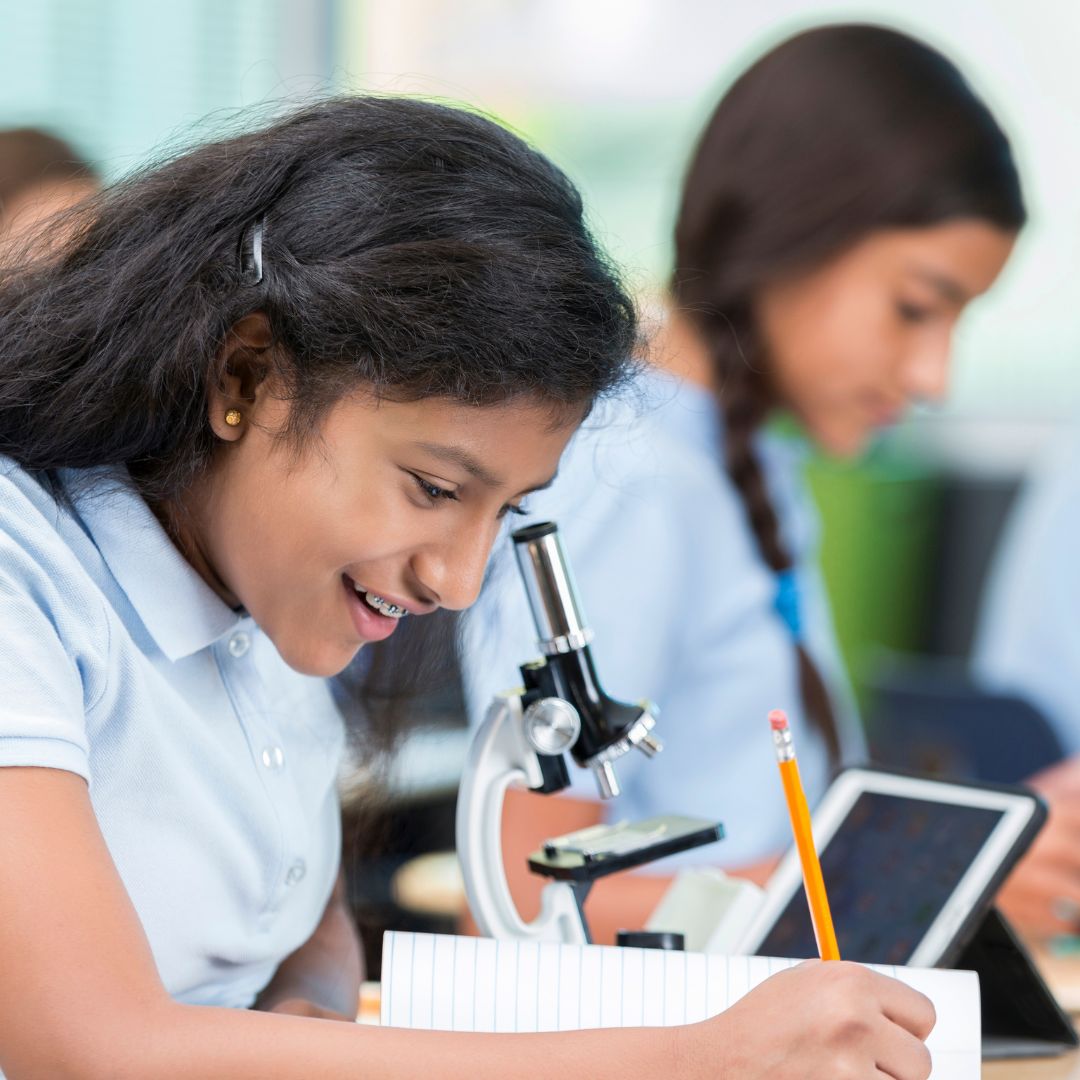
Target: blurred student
{"points": [[1029, 644], [40, 176], [847, 200]]}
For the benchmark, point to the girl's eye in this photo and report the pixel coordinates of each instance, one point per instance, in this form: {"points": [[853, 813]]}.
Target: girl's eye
{"points": [[510, 508], [913, 313], [432, 491]]}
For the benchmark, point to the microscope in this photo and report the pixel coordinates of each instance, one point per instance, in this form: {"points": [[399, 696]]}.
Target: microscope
{"points": [[525, 739]]}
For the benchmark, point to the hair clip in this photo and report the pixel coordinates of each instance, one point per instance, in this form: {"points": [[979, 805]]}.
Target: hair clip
{"points": [[251, 257]]}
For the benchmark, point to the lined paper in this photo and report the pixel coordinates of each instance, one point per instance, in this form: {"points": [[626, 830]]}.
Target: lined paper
{"points": [[447, 983]]}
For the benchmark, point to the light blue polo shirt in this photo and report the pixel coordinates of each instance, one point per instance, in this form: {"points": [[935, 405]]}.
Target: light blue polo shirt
{"points": [[683, 610], [211, 765], [1028, 640]]}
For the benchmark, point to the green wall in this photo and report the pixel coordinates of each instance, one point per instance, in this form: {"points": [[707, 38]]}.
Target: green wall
{"points": [[879, 520]]}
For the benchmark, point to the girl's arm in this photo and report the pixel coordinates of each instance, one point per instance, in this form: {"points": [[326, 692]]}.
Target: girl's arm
{"points": [[80, 997], [322, 978]]}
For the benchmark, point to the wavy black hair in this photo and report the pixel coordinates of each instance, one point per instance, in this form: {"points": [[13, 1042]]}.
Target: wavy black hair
{"points": [[407, 246], [413, 247]]}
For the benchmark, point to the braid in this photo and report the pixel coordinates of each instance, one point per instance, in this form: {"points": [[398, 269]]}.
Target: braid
{"points": [[744, 403], [831, 136], [743, 412]]}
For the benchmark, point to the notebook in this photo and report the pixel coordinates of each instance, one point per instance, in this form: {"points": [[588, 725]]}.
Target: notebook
{"points": [[449, 983]]}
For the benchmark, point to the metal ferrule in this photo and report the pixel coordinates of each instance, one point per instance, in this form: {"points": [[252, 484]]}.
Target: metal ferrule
{"points": [[785, 748], [556, 610], [565, 643]]}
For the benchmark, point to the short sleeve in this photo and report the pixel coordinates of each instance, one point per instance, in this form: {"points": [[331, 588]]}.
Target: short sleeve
{"points": [[50, 644]]}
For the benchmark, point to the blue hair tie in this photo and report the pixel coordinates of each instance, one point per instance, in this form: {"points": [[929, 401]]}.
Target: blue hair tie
{"points": [[787, 602]]}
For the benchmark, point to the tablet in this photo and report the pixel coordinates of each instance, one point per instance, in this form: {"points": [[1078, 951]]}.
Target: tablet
{"points": [[909, 866]]}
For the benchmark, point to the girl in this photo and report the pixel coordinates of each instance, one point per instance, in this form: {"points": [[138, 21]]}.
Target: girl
{"points": [[847, 199], [271, 399]]}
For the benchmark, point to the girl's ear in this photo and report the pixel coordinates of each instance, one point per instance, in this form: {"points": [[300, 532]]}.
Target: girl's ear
{"points": [[242, 366]]}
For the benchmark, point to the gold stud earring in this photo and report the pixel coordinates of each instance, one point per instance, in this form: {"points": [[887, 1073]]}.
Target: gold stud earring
{"points": [[233, 417]]}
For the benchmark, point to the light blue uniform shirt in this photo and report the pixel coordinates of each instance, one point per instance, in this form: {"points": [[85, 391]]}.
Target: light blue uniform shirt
{"points": [[211, 765], [682, 606], [1029, 633]]}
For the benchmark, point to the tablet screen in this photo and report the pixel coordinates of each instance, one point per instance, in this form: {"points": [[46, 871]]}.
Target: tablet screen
{"points": [[889, 868]]}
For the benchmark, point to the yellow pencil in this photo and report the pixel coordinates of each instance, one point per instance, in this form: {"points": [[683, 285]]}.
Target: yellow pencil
{"points": [[814, 883]]}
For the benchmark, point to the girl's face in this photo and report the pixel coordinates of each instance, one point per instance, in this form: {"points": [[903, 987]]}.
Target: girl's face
{"points": [[852, 343], [402, 501]]}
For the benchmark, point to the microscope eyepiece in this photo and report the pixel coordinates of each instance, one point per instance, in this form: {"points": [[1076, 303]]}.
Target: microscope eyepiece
{"points": [[556, 610], [608, 728], [534, 532]]}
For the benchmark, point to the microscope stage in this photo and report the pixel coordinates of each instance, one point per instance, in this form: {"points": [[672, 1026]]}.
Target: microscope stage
{"points": [[599, 850]]}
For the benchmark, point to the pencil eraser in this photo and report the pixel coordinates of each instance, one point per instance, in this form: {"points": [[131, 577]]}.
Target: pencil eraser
{"points": [[778, 720]]}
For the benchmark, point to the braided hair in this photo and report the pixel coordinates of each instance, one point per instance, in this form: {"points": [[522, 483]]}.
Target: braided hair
{"points": [[835, 133]]}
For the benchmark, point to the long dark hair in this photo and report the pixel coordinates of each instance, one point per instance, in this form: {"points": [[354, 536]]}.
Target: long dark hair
{"points": [[415, 248], [835, 133]]}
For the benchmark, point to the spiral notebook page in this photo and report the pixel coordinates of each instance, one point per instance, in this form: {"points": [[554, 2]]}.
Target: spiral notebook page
{"points": [[477, 984]]}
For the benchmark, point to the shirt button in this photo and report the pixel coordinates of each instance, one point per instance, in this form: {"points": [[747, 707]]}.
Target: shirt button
{"points": [[296, 873], [273, 757], [239, 644]]}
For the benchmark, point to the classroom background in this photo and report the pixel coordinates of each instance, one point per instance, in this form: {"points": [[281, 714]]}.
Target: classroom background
{"points": [[614, 91]]}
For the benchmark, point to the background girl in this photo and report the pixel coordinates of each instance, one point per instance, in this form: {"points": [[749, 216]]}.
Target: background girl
{"points": [[848, 198]]}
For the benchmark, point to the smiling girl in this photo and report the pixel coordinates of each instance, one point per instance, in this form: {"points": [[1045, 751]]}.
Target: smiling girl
{"points": [[269, 398]]}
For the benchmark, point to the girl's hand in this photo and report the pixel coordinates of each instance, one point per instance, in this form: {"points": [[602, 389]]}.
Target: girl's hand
{"points": [[817, 1021], [1042, 895]]}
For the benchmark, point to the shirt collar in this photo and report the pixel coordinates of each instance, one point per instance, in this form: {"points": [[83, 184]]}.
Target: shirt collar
{"points": [[181, 612]]}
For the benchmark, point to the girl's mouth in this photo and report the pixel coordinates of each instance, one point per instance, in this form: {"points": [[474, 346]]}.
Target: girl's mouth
{"points": [[373, 617], [383, 607]]}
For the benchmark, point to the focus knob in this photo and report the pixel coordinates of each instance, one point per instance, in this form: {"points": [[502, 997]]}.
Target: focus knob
{"points": [[552, 725]]}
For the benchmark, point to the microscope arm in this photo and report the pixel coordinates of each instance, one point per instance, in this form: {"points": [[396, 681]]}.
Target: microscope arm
{"points": [[498, 757]]}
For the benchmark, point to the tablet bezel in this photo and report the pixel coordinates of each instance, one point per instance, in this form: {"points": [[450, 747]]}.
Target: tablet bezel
{"points": [[1022, 815]]}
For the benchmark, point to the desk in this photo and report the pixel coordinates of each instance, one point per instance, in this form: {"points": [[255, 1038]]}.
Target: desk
{"points": [[1066, 1067], [1063, 976]]}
